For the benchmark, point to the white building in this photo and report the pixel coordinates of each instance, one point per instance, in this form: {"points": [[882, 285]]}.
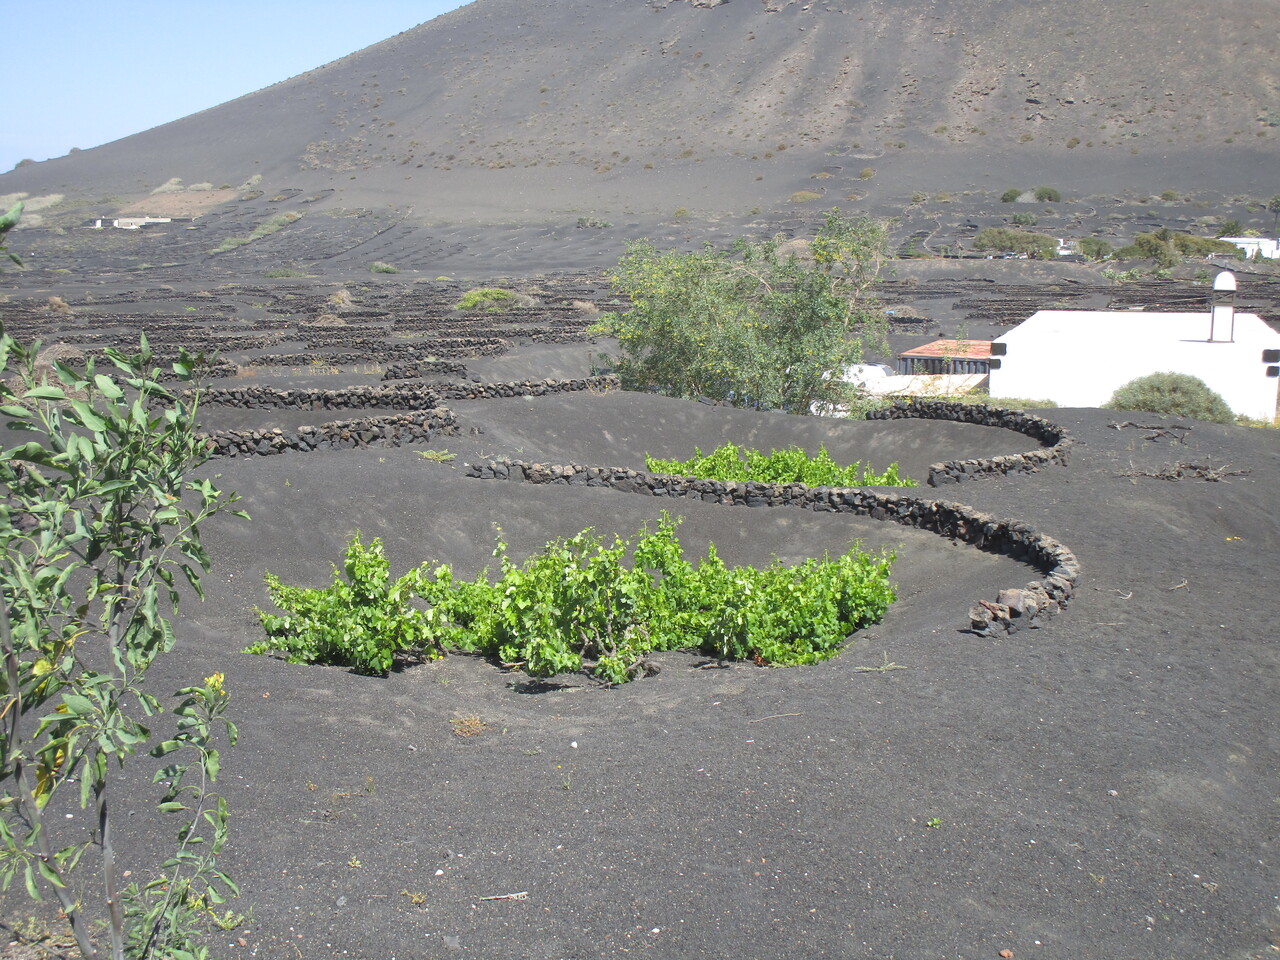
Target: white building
{"points": [[1078, 358], [128, 223], [1253, 247]]}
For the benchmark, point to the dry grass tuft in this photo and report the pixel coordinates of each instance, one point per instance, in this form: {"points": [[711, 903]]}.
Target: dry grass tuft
{"points": [[468, 726]]}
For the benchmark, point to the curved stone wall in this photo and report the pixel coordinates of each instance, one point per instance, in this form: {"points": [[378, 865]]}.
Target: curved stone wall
{"points": [[417, 369], [400, 396], [392, 431], [1057, 442], [1011, 610]]}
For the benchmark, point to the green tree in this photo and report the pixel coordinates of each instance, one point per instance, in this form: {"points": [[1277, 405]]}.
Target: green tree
{"points": [[98, 523], [1006, 240], [1273, 205], [1095, 248], [753, 325], [1048, 195]]}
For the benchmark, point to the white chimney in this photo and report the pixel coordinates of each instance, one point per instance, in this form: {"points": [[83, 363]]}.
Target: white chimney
{"points": [[1222, 308]]}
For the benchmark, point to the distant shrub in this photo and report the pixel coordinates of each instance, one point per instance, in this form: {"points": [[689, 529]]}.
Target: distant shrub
{"points": [[1190, 246], [1175, 394], [26, 162], [200, 187], [489, 299], [379, 267], [251, 182], [1123, 276], [1169, 196], [280, 273], [1011, 195], [230, 243], [1166, 247], [1230, 228], [593, 223], [1025, 219], [1048, 195], [681, 213], [805, 196], [274, 225], [1036, 245], [173, 185], [1156, 246], [866, 173], [1095, 248]]}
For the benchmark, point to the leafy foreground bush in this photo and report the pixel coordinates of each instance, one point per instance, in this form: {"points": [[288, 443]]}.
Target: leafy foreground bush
{"points": [[98, 523], [1176, 394], [575, 606], [793, 465]]}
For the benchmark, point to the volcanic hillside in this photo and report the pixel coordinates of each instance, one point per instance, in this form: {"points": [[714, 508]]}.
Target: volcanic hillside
{"points": [[514, 109]]}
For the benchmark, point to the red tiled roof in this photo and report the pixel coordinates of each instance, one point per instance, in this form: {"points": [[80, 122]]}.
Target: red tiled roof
{"points": [[956, 349]]}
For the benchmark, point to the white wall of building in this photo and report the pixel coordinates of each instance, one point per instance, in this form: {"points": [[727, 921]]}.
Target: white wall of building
{"points": [[1078, 358], [1252, 247]]}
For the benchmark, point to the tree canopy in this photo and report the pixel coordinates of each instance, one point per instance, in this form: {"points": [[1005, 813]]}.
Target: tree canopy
{"points": [[767, 324]]}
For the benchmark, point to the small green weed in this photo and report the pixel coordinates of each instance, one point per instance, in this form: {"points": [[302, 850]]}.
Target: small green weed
{"points": [[884, 667], [437, 456]]}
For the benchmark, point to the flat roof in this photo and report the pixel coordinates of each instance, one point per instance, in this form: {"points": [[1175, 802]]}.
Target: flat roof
{"points": [[956, 349]]}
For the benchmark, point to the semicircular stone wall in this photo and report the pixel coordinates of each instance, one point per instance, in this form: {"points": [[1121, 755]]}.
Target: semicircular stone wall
{"points": [[1011, 610], [1055, 441]]}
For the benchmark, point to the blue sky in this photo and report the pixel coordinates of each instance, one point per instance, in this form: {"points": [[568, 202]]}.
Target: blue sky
{"points": [[79, 73]]}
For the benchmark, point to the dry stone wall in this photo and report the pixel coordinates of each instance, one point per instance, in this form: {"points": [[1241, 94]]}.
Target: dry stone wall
{"points": [[1056, 449], [524, 388], [400, 430], [1013, 609], [418, 369], [400, 396]]}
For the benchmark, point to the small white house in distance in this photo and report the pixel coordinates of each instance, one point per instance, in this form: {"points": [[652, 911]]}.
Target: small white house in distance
{"points": [[1253, 247], [1078, 358]]}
